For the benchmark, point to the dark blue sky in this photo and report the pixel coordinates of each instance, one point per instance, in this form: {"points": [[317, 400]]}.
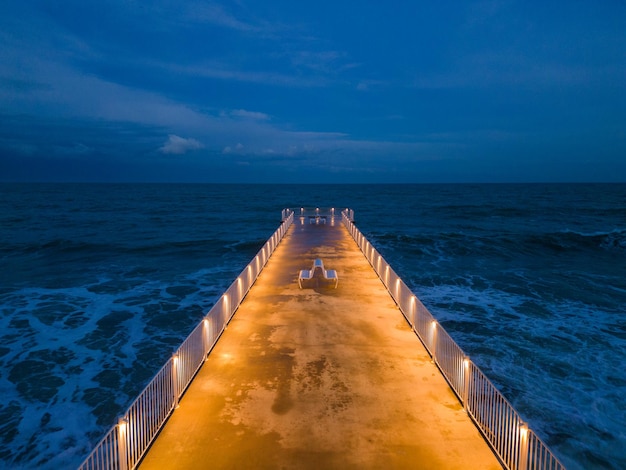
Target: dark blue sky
{"points": [[324, 91]]}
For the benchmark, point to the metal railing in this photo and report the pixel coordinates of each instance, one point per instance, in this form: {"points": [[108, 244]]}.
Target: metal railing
{"points": [[125, 444], [517, 447], [321, 212]]}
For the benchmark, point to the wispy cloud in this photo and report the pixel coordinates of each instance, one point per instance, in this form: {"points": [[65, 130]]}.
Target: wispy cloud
{"points": [[367, 85], [488, 69], [242, 20], [228, 72], [320, 61], [239, 148], [254, 115], [179, 145]]}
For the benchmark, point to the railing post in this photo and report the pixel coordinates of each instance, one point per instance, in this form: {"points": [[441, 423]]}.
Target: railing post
{"points": [[205, 337], [523, 446], [122, 442], [175, 361], [226, 306], [466, 382], [433, 340]]}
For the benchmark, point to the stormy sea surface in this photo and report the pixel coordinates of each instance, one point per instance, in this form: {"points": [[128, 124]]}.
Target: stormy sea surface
{"points": [[99, 284]]}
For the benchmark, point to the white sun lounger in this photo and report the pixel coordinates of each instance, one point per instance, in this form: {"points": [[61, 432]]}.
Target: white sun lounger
{"points": [[318, 272]]}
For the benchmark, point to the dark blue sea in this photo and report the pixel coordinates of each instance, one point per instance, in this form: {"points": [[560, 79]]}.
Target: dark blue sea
{"points": [[100, 283]]}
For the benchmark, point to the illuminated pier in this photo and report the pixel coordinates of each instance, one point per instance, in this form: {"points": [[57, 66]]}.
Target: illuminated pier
{"points": [[358, 376]]}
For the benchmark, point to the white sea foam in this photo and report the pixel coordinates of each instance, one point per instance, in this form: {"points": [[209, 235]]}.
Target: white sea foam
{"points": [[60, 431], [558, 367]]}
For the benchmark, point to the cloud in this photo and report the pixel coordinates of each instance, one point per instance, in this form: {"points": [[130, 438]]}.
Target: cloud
{"points": [[215, 14], [366, 85], [225, 71], [254, 115], [178, 145], [238, 149], [320, 61]]}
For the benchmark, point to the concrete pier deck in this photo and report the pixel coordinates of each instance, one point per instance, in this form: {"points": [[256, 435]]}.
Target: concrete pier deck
{"points": [[319, 378]]}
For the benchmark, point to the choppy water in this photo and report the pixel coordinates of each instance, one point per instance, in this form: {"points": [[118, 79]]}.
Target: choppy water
{"points": [[100, 283]]}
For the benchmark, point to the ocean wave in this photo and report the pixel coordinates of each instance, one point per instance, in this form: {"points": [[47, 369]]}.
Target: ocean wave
{"points": [[483, 211], [566, 240], [246, 245], [82, 249], [501, 244]]}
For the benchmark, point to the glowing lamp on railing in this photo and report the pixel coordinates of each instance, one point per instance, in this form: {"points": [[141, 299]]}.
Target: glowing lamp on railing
{"points": [[206, 332], [523, 430], [433, 339], [122, 441], [122, 425], [523, 446], [466, 383], [225, 300]]}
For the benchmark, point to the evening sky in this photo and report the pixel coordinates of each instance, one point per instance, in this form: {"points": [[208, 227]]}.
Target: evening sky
{"points": [[324, 91]]}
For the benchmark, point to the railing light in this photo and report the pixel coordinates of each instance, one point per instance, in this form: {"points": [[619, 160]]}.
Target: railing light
{"points": [[523, 430], [123, 425]]}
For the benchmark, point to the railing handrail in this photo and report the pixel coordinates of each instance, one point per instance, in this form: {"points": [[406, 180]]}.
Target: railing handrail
{"points": [[125, 444], [517, 447]]}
